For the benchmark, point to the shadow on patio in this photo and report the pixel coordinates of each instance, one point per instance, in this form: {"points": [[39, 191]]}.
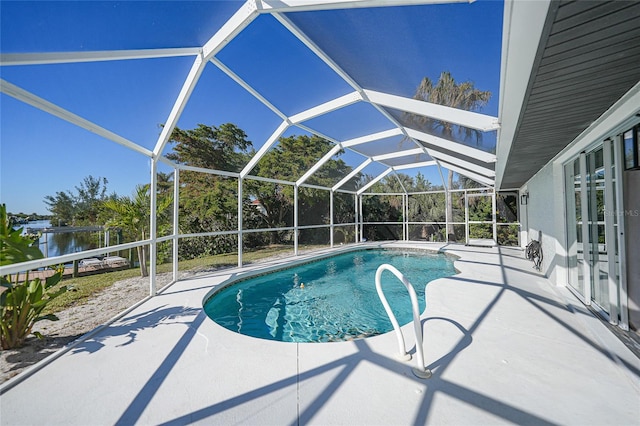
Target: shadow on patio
{"points": [[504, 345]]}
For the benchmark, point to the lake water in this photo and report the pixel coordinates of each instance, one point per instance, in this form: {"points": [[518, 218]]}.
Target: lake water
{"points": [[58, 244]]}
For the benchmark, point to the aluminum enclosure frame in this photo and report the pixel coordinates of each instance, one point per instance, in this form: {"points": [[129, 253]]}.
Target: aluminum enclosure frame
{"points": [[453, 157]]}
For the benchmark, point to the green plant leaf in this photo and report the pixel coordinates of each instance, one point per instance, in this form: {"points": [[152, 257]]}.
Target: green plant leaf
{"points": [[15, 247], [22, 302], [33, 285], [50, 317], [54, 279]]}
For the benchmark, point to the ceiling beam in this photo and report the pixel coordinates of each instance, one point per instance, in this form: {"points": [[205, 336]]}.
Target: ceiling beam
{"points": [[372, 137], [454, 147], [332, 105], [234, 26], [315, 132], [293, 29], [273, 139], [246, 86], [333, 151], [398, 130], [462, 163], [398, 154], [354, 172], [472, 120], [231, 28], [272, 6], [469, 174], [9, 59], [415, 165], [444, 184], [374, 180], [53, 109], [181, 101]]}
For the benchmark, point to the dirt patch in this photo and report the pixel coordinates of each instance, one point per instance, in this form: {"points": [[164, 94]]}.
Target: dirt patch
{"points": [[75, 322]]}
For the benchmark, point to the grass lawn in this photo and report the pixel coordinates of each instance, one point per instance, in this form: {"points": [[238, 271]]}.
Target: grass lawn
{"points": [[85, 287]]}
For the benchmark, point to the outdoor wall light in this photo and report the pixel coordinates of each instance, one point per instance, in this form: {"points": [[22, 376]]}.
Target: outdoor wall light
{"points": [[524, 198]]}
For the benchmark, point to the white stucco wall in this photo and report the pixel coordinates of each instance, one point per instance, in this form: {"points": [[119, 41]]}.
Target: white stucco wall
{"points": [[545, 209], [545, 213]]}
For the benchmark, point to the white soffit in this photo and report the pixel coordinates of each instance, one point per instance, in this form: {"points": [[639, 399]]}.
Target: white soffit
{"points": [[523, 24], [616, 117]]}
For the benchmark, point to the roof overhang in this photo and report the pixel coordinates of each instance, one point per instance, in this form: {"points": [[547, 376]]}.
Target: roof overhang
{"points": [[564, 65]]}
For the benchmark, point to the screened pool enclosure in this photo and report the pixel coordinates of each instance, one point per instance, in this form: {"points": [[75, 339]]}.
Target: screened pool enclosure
{"points": [[347, 76]]}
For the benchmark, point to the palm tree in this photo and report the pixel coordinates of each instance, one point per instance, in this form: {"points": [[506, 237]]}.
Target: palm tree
{"points": [[132, 216], [456, 95]]}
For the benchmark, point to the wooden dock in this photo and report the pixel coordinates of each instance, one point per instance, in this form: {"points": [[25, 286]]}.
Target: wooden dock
{"points": [[84, 267], [62, 229]]}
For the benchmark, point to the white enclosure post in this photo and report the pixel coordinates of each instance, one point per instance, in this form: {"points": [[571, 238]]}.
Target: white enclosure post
{"points": [[466, 217], [331, 218], [493, 215], [295, 220], [448, 202], [356, 216], [240, 222], [176, 230], [405, 226], [361, 217], [153, 225]]}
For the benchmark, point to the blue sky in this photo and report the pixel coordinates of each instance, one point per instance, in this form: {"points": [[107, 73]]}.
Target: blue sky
{"points": [[386, 49]]}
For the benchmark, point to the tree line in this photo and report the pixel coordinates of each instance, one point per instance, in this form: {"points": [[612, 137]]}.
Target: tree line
{"points": [[209, 202]]}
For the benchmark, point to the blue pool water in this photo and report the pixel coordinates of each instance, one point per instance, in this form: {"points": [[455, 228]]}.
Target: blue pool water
{"points": [[331, 299]]}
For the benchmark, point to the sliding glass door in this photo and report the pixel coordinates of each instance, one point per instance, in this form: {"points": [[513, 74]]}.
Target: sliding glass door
{"points": [[592, 229], [575, 252], [597, 250]]}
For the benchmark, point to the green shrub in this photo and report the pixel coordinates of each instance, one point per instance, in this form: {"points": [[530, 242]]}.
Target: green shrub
{"points": [[22, 300]]}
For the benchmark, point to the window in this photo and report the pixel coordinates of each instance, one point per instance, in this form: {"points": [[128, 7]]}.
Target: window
{"points": [[631, 148]]}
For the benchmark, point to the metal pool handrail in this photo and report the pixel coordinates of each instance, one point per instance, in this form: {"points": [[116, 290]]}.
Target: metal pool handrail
{"points": [[421, 370]]}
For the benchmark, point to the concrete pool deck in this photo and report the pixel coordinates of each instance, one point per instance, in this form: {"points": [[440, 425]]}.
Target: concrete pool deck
{"points": [[505, 346]]}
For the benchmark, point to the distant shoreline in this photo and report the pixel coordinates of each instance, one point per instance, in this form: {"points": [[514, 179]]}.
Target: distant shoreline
{"points": [[23, 219]]}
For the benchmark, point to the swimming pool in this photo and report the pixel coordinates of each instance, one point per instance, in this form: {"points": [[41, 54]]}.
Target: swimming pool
{"points": [[331, 299]]}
